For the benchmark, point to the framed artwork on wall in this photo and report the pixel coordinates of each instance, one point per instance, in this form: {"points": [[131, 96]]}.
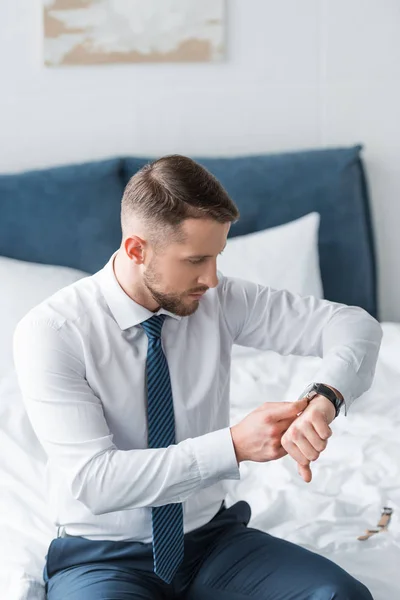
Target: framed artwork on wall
{"points": [[92, 32]]}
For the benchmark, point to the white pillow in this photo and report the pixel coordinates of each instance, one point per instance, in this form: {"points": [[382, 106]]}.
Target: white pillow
{"points": [[26, 530], [284, 257], [23, 286]]}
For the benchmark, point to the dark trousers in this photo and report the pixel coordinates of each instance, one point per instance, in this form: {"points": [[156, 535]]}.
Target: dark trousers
{"points": [[224, 560]]}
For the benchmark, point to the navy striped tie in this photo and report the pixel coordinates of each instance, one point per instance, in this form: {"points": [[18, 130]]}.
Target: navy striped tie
{"points": [[167, 520]]}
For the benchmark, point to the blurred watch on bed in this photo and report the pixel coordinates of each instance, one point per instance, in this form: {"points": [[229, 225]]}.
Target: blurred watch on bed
{"points": [[320, 389]]}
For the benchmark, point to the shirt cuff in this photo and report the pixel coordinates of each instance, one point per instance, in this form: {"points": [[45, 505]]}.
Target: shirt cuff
{"points": [[339, 374], [216, 457]]}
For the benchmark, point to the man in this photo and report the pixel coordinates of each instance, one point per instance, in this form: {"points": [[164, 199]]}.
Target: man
{"points": [[125, 377]]}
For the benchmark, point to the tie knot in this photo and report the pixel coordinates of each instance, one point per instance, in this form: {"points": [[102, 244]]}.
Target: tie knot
{"points": [[153, 326]]}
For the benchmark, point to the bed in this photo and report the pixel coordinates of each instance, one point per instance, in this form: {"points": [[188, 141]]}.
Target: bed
{"points": [[355, 477]]}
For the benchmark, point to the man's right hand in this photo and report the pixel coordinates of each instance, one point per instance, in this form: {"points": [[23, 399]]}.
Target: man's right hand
{"points": [[258, 436]]}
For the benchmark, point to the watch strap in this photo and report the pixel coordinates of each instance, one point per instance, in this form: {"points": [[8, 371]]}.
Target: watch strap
{"points": [[324, 390], [382, 525]]}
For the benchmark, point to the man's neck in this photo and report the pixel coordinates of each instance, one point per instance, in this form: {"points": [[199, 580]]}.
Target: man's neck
{"points": [[134, 289]]}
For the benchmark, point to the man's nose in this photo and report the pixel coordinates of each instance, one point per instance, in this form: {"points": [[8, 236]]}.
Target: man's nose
{"points": [[209, 278]]}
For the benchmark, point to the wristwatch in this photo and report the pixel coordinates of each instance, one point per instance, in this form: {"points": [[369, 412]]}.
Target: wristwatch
{"points": [[315, 389]]}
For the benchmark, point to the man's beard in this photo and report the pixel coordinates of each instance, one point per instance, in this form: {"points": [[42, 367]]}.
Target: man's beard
{"points": [[171, 302]]}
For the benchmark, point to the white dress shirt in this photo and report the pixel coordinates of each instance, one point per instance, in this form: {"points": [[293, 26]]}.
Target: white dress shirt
{"points": [[80, 358]]}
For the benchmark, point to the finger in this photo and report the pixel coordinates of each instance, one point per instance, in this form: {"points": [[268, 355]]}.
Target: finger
{"points": [[283, 410], [321, 426], [292, 449], [305, 472], [305, 447], [292, 409], [283, 424], [312, 436], [280, 453]]}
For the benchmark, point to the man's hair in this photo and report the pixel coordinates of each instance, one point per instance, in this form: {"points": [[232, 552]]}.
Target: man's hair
{"points": [[171, 189]]}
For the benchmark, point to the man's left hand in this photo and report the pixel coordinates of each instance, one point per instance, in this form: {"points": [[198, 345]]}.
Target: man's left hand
{"points": [[308, 435]]}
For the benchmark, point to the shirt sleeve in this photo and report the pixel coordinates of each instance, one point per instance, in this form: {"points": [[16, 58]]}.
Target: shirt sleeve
{"points": [[69, 422], [347, 338]]}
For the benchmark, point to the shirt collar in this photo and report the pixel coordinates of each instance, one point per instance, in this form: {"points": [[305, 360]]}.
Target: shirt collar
{"points": [[125, 311]]}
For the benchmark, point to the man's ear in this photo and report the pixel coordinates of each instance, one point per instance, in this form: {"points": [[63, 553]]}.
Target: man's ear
{"points": [[134, 248]]}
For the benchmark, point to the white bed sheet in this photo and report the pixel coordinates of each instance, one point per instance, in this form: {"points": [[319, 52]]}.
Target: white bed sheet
{"points": [[357, 474], [353, 479]]}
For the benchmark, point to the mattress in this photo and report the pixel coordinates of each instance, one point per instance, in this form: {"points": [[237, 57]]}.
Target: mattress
{"points": [[353, 479]]}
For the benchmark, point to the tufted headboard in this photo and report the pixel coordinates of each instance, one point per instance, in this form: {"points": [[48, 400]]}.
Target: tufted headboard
{"points": [[273, 189], [69, 215]]}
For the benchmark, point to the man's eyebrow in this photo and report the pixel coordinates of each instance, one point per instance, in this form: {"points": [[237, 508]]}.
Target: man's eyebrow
{"points": [[198, 256]]}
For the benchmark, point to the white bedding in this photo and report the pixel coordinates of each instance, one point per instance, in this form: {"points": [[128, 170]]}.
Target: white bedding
{"points": [[357, 475]]}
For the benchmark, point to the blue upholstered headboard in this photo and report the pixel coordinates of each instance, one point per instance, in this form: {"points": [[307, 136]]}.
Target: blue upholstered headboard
{"points": [[70, 215], [274, 189]]}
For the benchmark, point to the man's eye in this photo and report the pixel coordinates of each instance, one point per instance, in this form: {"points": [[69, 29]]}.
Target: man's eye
{"points": [[197, 262]]}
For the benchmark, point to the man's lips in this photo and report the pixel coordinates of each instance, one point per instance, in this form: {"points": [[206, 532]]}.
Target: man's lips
{"points": [[197, 294]]}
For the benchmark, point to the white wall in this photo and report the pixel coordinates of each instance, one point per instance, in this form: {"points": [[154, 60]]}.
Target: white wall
{"points": [[298, 74]]}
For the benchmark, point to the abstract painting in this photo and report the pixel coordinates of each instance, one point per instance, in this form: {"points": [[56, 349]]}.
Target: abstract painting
{"points": [[91, 32]]}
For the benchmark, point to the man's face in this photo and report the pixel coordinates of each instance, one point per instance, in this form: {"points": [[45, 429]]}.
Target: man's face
{"points": [[182, 272]]}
